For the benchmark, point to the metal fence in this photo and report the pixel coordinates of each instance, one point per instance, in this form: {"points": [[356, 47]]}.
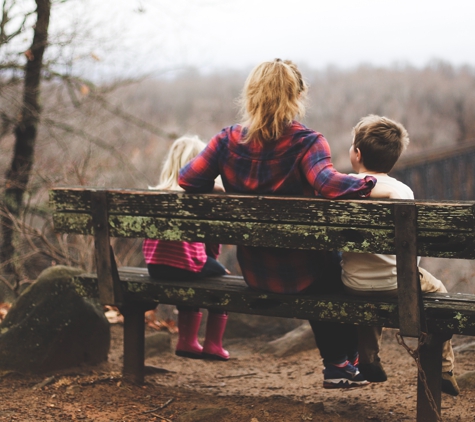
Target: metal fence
{"points": [[444, 173]]}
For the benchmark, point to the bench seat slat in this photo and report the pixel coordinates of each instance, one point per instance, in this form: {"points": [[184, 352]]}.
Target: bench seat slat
{"points": [[445, 313]]}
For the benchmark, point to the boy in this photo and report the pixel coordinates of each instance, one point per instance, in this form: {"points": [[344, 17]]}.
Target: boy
{"points": [[377, 144]]}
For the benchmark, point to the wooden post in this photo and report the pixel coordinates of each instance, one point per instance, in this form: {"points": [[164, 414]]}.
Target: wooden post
{"points": [[409, 287], [411, 313], [430, 355], [110, 290], [134, 341]]}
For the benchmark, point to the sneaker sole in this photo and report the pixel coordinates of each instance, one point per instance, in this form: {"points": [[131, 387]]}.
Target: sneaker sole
{"points": [[344, 383]]}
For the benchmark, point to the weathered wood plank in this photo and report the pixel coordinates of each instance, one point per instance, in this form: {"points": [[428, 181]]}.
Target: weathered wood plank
{"points": [[445, 313], [411, 317], [454, 215], [110, 291], [361, 239]]}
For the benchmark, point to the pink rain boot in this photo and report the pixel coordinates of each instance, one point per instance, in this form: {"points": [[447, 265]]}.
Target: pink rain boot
{"points": [[213, 348], [188, 326]]}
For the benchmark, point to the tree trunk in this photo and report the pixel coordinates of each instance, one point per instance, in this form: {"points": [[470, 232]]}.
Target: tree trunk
{"points": [[18, 174]]}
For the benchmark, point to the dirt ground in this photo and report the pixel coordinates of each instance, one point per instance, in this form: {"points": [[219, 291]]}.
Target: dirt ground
{"points": [[251, 387]]}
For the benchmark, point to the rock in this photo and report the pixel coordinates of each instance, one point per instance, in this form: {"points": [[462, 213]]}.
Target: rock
{"points": [[247, 326], [52, 327], [456, 274], [297, 340], [157, 343], [215, 414], [466, 381], [465, 347]]}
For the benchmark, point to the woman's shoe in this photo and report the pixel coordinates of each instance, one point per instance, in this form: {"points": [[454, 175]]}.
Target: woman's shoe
{"points": [[373, 372]]}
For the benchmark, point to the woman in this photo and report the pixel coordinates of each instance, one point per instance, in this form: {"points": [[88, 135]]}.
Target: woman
{"points": [[271, 153]]}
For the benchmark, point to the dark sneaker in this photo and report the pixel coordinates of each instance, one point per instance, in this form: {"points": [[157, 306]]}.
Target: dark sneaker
{"points": [[449, 384], [343, 376], [373, 372], [355, 361]]}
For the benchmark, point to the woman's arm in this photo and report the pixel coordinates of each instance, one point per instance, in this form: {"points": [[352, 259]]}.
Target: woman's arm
{"points": [[200, 173], [326, 181]]}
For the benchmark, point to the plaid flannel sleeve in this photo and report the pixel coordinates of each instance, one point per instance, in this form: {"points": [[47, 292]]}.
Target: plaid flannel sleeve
{"points": [[326, 181], [199, 174]]}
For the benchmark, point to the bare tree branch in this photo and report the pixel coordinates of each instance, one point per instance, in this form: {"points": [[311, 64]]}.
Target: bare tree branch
{"points": [[118, 111], [96, 141], [7, 18]]}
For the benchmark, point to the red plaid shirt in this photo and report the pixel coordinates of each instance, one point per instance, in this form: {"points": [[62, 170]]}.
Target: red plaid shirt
{"points": [[299, 163]]}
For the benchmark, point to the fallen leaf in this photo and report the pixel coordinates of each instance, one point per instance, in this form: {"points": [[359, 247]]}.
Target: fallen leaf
{"points": [[29, 55], [84, 89], [4, 308]]}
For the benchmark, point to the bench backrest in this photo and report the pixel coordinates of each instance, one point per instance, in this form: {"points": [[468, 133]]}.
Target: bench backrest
{"points": [[404, 228], [444, 229]]}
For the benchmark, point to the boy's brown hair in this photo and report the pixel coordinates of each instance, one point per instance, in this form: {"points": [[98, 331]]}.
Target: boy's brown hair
{"points": [[380, 141]]}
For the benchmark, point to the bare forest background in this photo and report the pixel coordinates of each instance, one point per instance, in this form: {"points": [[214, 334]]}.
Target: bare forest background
{"points": [[115, 133]]}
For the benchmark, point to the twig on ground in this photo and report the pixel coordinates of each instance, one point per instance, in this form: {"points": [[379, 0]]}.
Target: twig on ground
{"points": [[45, 382], [162, 417], [250, 374], [98, 380], [159, 407]]}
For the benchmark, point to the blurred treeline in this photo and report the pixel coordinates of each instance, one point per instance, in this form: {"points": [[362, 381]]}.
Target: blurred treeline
{"points": [[435, 103], [116, 134]]}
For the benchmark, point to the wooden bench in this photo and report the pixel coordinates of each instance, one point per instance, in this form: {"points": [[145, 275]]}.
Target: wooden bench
{"points": [[405, 228]]}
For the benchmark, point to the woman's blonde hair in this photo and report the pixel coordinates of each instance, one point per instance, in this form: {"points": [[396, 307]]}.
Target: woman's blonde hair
{"points": [[272, 97], [182, 151]]}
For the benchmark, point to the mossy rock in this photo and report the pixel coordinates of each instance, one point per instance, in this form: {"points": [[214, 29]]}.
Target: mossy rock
{"points": [[52, 327], [466, 381]]}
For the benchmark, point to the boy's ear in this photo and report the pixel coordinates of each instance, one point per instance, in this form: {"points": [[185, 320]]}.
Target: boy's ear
{"points": [[358, 154]]}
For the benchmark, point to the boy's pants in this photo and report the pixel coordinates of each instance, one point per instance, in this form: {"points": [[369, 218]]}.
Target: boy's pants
{"points": [[369, 342]]}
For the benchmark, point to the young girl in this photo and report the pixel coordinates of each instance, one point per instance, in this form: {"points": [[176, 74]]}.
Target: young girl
{"points": [[271, 153], [187, 261]]}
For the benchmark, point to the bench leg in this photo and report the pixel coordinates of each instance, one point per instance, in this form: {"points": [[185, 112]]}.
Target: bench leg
{"points": [[431, 362], [134, 342]]}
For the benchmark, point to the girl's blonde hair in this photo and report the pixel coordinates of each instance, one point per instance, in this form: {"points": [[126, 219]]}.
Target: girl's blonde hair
{"points": [[182, 151], [272, 97]]}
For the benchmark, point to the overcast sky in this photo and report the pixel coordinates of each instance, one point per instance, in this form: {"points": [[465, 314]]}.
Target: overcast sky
{"points": [[213, 34]]}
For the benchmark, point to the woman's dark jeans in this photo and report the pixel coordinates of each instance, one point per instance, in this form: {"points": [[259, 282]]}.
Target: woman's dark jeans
{"points": [[337, 342]]}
